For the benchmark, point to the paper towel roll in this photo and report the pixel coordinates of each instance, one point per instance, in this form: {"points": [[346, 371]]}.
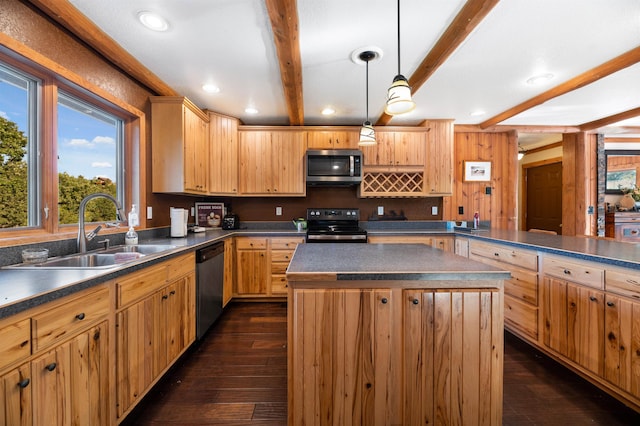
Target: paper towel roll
{"points": [[178, 222]]}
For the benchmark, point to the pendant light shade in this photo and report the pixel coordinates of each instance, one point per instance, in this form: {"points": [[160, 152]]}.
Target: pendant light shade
{"points": [[367, 134], [399, 94]]}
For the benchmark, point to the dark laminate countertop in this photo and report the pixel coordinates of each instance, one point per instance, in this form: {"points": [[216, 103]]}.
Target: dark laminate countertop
{"points": [[385, 262]]}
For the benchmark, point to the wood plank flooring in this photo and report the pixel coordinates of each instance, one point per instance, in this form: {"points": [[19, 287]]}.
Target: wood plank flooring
{"points": [[237, 376]]}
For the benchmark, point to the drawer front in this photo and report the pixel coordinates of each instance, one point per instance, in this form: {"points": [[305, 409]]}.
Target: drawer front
{"points": [[517, 257], [279, 285], [285, 243], [575, 272], [523, 285], [246, 243], [15, 342], [279, 267], [281, 255], [521, 317], [64, 320], [623, 282], [628, 232], [180, 266], [139, 284]]}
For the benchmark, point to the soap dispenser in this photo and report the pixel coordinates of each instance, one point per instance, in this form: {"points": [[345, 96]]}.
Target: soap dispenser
{"points": [[131, 237]]}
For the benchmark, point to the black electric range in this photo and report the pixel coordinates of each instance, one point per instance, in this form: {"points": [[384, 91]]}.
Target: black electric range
{"points": [[334, 226]]}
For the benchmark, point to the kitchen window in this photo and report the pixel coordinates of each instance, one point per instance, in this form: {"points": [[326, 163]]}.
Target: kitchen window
{"points": [[60, 142]]}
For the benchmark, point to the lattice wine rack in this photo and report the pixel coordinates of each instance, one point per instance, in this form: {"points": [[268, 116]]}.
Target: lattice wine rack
{"points": [[394, 184]]}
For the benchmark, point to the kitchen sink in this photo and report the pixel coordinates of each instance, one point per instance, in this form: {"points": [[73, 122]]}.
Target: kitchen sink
{"points": [[102, 259]]}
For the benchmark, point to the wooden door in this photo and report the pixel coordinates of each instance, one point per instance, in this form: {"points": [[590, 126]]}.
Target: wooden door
{"points": [[229, 270], [409, 148], [195, 152], [382, 153], [544, 197], [555, 314], [332, 139], [287, 162], [252, 272], [255, 162], [585, 327], [622, 344], [15, 397], [438, 159], [223, 157]]}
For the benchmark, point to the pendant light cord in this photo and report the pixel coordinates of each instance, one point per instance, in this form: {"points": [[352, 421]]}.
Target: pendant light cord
{"points": [[367, 91], [398, 37]]}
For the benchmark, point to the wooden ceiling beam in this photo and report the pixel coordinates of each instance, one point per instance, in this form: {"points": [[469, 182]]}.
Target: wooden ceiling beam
{"points": [[614, 65], [284, 24], [474, 128], [612, 119], [65, 14], [471, 14]]}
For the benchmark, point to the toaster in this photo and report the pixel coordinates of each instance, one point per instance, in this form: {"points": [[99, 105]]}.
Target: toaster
{"points": [[231, 221]]}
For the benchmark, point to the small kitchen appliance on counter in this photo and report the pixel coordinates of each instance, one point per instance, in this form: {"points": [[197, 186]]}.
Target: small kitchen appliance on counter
{"points": [[231, 221], [334, 226], [179, 219]]}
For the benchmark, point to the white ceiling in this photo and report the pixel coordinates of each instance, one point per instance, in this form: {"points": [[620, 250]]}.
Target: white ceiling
{"points": [[229, 43]]}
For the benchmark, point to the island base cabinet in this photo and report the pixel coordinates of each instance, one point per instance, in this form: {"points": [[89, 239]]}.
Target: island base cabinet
{"points": [[622, 348], [395, 357]]}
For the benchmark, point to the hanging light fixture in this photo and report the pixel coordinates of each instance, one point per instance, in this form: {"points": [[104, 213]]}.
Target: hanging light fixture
{"points": [[399, 94], [367, 134], [521, 152]]}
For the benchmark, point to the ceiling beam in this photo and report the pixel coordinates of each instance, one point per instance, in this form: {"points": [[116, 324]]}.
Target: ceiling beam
{"points": [[64, 13], [284, 24], [471, 14], [612, 119], [614, 65]]}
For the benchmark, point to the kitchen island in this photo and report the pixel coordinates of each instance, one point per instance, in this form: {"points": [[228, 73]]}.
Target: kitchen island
{"points": [[393, 334]]}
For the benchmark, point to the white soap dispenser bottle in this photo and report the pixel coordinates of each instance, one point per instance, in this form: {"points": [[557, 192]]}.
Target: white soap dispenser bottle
{"points": [[131, 237]]}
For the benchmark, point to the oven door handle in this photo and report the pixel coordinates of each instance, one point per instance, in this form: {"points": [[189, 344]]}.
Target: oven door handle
{"points": [[352, 167]]}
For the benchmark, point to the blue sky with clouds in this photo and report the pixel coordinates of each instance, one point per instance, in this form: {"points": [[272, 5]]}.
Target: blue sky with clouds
{"points": [[86, 146]]}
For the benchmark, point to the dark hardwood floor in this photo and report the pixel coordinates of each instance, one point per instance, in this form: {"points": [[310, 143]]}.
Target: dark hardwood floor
{"points": [[237, 376]]}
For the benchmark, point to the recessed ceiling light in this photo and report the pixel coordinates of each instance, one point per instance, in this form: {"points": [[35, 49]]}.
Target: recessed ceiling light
{"points": [[328, 111], [478, 113], [251, 110], [211, 88], [153, 21], [539, 79]]}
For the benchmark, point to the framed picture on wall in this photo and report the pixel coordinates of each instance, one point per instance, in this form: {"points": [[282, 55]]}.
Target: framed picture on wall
{"points": [[477, 171], [209, 215]]}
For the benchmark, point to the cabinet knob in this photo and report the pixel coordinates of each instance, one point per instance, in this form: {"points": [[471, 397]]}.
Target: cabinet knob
{"points": [[611, 304], [80, 316], [172, 292], [593, 298], [567, 272], [165, 296], [384, 300], [496, 254], [24, 383], [415, 301], [51, 366]]}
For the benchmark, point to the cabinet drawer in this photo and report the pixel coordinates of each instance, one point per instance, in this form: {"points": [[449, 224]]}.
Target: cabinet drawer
{"points": [[623, 282], [180, 266], [523, 285], [279, 285], [517, 257], [245, 243], [63, 320], [139, 284], [575, 272], [279, 268], [285, 243], [281, 255], [15, 341], [521, 317]]}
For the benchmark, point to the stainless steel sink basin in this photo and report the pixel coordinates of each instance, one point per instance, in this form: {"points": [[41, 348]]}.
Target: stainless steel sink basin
{"points": [[103, 259]]}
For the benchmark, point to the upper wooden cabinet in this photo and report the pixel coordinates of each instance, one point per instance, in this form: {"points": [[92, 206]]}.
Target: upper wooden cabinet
{"points": [[439, 157], [332, 139], [180, 146], [396, 148], [223, 155], [272, 162]]}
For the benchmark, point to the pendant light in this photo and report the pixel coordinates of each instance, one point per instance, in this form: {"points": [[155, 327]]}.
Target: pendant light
{"points": [[399, 94], [367, 134]]}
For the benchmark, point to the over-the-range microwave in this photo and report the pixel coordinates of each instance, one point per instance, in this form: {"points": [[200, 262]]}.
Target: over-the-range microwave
{"points": [[334, 167]]}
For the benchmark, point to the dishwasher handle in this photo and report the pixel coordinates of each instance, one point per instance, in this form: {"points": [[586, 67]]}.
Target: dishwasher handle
{"points": [[209, 252]]}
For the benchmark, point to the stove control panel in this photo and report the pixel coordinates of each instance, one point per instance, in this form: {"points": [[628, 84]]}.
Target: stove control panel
{"points": [[333, 214]]}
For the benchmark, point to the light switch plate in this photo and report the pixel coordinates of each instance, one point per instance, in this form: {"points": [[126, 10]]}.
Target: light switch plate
{"points": [[380, 210], [278, 211], [149, 212], [434, 210], [193, 211]]}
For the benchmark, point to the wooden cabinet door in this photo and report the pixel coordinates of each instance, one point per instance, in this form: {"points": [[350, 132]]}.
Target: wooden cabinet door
{"points": [[252, 272], [585, 327], [255, 163], [461, 247], [382, 153], [555, 314], [409, 148], [622, 344], [15, 395], [287, 163], [71, 382], [223, 155], [332, 139], [229, 270], [439, 158], [195, 153]]}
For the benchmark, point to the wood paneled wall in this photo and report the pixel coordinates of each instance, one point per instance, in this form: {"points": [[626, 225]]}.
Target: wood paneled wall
{"points": [[500, 206], [580, 180]]}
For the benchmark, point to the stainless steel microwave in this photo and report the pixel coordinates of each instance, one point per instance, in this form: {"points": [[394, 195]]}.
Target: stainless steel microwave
{"points": [[334, 167]]}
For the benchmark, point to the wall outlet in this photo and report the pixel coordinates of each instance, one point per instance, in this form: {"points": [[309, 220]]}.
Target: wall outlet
{"points": [[149, 212], [278, 211], [380, 211], [487, 190], [434, 210], [590, 210], [460, 210], [193, 211]]}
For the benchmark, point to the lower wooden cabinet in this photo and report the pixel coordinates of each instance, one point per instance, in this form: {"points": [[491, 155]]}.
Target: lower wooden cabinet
{"points": [[383, 356], [252, 266], [15, 391], [441, 242], [281, 251]]}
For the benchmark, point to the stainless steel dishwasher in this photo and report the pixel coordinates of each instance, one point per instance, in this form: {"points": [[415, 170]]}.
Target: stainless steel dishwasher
{"points": [[209, 282]]}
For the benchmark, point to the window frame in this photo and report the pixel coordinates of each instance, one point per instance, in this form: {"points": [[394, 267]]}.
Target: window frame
{"points": [[53, 77]]}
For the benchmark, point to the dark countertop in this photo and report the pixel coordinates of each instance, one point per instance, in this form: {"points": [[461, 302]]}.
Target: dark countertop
{"points": [[386, 262]]}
